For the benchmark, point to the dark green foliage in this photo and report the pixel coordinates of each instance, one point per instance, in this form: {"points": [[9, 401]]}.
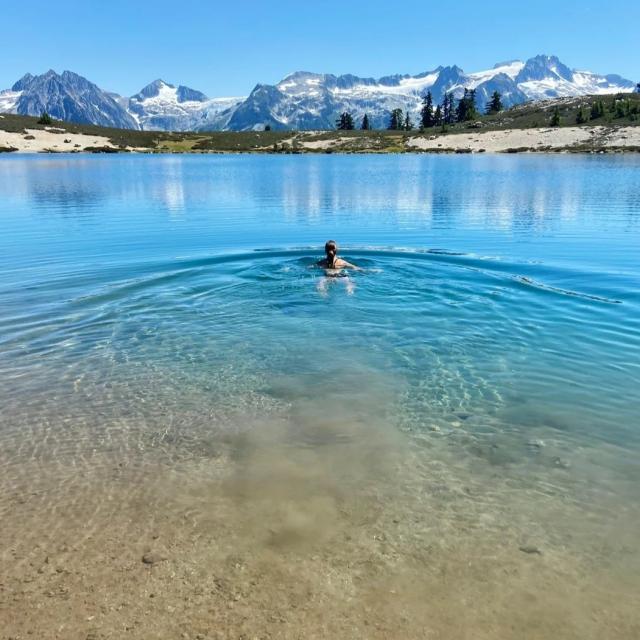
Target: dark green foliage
{"points": [[396, 120], [345, 122], [445, 108], [613, 105], [408, 125], [452, 108], [495, 104], [365, 126], [437, 116], [621, 106], [555, 118], [104, 149], [638, 88], [448, 109], [581, 116], [45, 119], [267, 127], [427, 119], [597, 109], [466, 109]]}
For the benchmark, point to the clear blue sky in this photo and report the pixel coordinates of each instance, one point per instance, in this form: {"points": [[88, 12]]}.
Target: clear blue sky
{"points": [[225, 48]]}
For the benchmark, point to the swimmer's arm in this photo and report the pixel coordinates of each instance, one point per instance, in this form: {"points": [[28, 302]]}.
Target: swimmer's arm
{"points": [[348, 265]]}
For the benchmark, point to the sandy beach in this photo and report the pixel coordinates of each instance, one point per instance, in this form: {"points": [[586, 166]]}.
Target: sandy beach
{"points": [[541, 139], [544, 139], [51, 139]]}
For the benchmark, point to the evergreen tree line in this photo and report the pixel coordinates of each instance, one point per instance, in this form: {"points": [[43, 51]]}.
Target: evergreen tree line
{"points": [[465, 109], [448, 112], [617, 107]]}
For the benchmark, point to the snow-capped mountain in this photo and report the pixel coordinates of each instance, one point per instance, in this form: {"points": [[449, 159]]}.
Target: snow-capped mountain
{"points": [[158, 106], [163, 106], [306, 100], [302, 100], [66, 97]]}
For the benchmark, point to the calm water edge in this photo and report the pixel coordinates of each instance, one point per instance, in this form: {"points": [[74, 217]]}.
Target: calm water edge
{"points": [[442, 445]]}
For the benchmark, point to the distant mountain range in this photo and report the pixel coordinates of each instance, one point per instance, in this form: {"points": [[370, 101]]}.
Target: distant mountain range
{"points": [[302, 100]]}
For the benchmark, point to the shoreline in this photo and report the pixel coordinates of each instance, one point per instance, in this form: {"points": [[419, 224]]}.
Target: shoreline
{"points": [[584, 139]]}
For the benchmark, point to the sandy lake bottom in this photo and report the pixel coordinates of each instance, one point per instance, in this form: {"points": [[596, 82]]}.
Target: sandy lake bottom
{"points": [[202, 437]]}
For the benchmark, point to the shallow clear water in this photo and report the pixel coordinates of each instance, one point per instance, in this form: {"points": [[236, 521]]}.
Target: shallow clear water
{"points": [[165, 339]]}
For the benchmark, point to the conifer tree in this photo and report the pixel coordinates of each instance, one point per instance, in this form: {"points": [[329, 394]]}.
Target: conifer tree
{"points": [[466, 109], [638, 88], [445, 108], [427, 119], [555, 118], [345, 121], [45, 118], [408, 125], [462, 108], [495, 104], [622, 108], [472, 109], [396, 120], [437, 116], [365, 126], [448, 108], [581, 117]]}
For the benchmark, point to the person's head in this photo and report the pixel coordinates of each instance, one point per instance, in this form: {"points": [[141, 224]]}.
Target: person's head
{"points": [[331, 249]]}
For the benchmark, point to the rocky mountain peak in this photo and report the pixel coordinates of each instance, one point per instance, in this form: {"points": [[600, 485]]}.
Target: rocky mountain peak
{"points": [[543, 66]]}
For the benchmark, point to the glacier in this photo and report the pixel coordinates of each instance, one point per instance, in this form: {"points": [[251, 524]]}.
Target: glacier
{"points": [[301, 100]]}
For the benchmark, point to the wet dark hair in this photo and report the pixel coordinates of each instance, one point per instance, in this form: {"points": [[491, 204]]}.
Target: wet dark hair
{"points": [[330, 246]]}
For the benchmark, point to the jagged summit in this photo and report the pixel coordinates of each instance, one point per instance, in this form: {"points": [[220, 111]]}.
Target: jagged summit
{"points": [[65, 96], [152, 89], [542, 67]]}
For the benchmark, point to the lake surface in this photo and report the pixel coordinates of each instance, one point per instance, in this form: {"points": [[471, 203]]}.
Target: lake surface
{"points": [[442, 445]]}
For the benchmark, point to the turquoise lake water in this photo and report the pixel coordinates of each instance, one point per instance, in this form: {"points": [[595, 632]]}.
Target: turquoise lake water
{"points": [[475, 389]]}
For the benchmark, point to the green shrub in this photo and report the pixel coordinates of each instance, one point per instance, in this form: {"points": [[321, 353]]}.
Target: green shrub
{"points": [[45, 119]]}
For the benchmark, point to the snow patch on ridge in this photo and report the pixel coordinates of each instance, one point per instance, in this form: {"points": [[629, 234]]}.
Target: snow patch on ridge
{"points": [[164, 110], [9, 100]]}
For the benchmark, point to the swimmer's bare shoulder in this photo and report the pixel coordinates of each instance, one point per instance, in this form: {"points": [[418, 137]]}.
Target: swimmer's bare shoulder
{"points": [[343, 264], [332, 261], [338, 263]]}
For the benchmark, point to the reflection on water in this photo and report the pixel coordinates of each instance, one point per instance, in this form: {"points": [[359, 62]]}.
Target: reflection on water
{"points": [[451, 451], [408, 198]]}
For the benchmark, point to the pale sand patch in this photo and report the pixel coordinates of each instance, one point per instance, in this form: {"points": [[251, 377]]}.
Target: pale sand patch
{"points": [[498, 141], [45, 140], [344, 541], [325, 144], [622, 137]]}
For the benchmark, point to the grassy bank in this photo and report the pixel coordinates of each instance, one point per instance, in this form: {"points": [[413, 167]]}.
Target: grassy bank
{"points": [[618, 113]]}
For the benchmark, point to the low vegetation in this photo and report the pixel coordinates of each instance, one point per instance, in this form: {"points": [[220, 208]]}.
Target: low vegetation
{"points": [[45, 119], [439, 121]]}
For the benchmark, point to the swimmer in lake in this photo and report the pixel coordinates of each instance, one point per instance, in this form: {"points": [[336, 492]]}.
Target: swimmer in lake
{"points": [[334, 267], [332, 261]]}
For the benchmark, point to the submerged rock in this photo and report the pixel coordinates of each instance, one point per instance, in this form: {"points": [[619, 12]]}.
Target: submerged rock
{"points": [[151, 558], [531, 549], [561, 463]]}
